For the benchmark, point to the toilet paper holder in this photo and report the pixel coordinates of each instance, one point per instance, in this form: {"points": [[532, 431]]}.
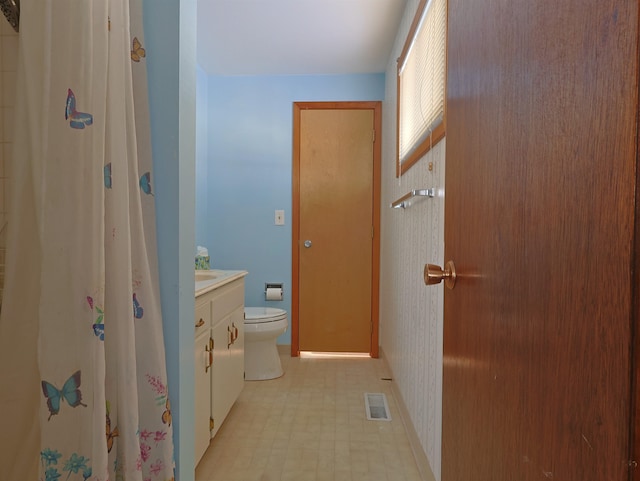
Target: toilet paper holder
{"points": [[273, 291]]}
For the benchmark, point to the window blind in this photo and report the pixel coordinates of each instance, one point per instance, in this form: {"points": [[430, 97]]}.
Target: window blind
{"points": [[421, 79]]}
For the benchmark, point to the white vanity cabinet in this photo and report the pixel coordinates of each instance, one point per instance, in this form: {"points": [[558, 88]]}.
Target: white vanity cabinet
{"points": [[202, 378], [219, 356], [227, 374], [227, 333]]}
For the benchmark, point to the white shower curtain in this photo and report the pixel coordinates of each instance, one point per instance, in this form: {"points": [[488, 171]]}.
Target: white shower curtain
{"points": [[81, 342]]}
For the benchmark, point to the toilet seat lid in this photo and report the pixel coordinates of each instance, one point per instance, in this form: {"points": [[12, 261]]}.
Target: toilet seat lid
{"points": [[254, 315]]}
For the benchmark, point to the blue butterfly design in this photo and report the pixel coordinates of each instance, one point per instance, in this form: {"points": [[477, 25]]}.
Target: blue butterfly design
{"points": [[70, 392], [98, 326], [145, 183], [77, 120], [98, 330], [107, 175], [138, 311]]}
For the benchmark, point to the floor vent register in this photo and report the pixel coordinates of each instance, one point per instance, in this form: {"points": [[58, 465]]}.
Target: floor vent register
{"points": [[376, 406]]}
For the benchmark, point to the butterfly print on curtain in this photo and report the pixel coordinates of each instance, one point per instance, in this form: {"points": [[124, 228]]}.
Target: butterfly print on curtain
{"points": [[70, 392]]}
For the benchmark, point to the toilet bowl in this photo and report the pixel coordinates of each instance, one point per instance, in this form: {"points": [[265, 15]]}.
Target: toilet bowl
{"points": [[262, 326]]}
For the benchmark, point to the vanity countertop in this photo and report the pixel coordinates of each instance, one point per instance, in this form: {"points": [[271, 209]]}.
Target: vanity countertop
{"points": [[208, 280]]}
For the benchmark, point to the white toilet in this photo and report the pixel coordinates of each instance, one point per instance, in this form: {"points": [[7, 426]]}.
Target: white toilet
{"points": [[262, 326]]}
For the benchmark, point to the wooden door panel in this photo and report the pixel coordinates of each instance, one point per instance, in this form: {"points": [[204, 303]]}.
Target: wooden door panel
{"points": [[336, 215], [541, 105]]}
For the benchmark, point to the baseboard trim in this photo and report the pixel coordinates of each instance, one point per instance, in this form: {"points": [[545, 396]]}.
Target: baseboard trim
{"points": [[424, 467]]}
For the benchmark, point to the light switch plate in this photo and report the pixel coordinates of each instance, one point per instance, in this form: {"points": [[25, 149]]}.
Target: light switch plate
{"points": [[279, 217]]}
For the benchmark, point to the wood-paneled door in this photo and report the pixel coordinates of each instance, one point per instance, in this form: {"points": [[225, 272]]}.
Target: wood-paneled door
{"points": [[542, 99], [335, 227]]}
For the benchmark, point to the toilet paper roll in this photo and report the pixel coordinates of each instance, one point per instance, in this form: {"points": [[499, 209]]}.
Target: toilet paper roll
{"points": [[274, 294]]}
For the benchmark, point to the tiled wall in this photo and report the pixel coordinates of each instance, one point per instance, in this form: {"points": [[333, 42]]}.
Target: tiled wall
{"points": [[411, 314], [8, 67]]}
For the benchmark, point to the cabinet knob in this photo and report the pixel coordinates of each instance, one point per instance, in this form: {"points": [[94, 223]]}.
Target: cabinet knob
{"points": [[200, 323]]}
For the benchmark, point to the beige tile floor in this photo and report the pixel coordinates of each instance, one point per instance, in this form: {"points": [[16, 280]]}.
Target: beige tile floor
{"points": [[311, 424]]}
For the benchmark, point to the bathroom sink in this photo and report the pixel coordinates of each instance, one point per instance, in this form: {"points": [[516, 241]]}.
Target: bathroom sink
{"points": [[207, 280], [205, 276]]}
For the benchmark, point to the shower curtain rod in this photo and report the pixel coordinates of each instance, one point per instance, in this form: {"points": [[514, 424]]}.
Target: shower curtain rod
{"points": [[11, 10]]}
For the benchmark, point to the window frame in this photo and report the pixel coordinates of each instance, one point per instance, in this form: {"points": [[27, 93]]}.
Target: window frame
{"points": [[438, 133]]}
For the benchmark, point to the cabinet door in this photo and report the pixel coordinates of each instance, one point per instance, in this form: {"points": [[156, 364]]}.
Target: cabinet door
{"points": [[203, 316], [236, 354], [202, 395], [220, 394]]}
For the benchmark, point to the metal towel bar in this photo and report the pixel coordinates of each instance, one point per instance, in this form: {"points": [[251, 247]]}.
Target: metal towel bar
{"points": [[404, 201]]}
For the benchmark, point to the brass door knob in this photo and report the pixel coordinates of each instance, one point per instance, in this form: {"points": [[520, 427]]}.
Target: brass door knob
{"points": [[434, 274]]}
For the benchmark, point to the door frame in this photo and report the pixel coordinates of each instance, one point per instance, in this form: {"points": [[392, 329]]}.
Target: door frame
{"points": [[634, 423], [376, 106]]}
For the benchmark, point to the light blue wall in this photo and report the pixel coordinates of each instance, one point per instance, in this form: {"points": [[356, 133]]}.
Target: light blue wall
{"points": [[246, 176], [170, 44], [249, 171], [202, 145]]}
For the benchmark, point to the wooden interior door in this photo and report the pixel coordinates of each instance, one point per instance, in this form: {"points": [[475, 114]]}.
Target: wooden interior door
{"points": [[336, 216], [540, 179]]}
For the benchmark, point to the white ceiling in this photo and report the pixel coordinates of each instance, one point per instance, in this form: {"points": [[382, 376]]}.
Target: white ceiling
{"points": [[296, 37]]}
